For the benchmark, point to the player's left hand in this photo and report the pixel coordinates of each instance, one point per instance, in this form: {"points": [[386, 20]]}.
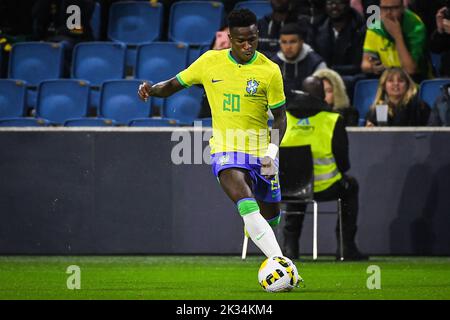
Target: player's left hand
{"points": [[268, 168], [145, 91]]}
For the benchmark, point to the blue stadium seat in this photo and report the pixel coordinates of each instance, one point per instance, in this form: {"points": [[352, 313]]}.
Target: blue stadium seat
{"points": [[96, 21], [436, 62], [119, 101], [34, 62], [89, 122], [23, 122], [184, 106], [135, 22], [160, 61], [431, 89], [195, 22], [97, 62], [364, 96], [153, 122], [259, 8], [60, 100], [12, 98]]}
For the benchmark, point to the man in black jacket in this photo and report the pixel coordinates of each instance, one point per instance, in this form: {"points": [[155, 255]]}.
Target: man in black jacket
{"points": [[335, 183], [339, 41], [297, 60]]}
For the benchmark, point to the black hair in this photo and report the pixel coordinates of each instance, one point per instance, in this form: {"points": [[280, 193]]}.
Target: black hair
{"points": [[294, 28], [241, 18], [314, 87]]}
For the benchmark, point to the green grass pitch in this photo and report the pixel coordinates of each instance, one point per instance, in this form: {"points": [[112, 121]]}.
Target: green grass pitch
{"points": [[217, 277]]}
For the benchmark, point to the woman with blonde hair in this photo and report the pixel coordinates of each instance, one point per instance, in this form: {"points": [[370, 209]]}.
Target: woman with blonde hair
{"points": [[336, 96], [398, 91]]}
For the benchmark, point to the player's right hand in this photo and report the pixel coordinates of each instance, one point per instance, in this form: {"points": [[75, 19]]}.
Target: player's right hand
{"points": [[268, 168], [144, 91]]}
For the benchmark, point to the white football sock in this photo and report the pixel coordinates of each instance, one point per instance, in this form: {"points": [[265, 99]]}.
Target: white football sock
{"points": [[262, 234]]}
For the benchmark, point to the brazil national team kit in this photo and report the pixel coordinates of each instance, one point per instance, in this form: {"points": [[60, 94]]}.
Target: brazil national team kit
{"points": [[239, 96]]}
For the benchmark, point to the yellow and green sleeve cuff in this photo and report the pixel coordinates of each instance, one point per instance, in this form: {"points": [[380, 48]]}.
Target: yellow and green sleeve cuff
{"points": [[184, 84], [277, 105]]}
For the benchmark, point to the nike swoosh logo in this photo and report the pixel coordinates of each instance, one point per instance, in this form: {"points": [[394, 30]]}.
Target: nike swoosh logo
{"points": [[260, 236], [214, 81]]}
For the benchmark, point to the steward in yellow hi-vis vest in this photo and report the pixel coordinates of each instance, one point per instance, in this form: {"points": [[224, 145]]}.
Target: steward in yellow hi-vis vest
{"points": [[316, 131], [310, 121]]}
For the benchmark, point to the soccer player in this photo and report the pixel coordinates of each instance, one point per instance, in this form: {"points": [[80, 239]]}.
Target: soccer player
{"points": [[241, 84]]}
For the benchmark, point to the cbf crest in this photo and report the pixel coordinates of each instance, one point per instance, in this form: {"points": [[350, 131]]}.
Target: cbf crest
{"points": [[252, 86]]}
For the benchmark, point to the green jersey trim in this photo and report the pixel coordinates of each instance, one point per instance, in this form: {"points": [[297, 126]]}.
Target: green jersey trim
{"points": [[275, 106], [184, 84]]}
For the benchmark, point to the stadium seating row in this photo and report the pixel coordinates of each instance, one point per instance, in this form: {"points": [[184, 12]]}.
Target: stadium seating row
{"points": [[66, 102], [192, 22], [94, 62]]}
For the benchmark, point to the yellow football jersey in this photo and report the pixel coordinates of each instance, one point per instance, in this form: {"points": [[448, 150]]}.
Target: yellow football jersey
{"points": [[239, 96], [383, 47]]}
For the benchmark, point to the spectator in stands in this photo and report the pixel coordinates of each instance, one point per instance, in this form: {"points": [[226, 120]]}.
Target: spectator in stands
{"points": [[339, 41], [336, 96], [269, 26], [399, 92], [297, 60], [331, 160], [399, 41], [440, 40]]}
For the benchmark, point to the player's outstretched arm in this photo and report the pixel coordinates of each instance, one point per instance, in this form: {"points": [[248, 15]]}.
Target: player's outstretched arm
{"points": [[162, 89]]}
